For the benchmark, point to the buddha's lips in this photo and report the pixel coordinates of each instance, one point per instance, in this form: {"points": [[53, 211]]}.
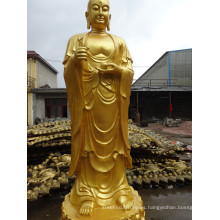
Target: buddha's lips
{"points": [[100, 18]]}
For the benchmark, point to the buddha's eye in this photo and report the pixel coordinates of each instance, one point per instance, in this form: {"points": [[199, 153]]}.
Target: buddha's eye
{"points": [[96, 8], [105, 8]]}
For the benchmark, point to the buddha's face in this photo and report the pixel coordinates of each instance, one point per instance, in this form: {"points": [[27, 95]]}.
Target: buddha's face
{"points": [[98, 13]]}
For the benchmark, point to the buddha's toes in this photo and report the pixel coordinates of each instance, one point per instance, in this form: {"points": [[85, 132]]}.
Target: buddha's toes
{"points": [[86, 208]]}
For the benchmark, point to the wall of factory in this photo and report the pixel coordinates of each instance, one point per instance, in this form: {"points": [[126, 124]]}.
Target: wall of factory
{"points": [[180, 67], [156, 75], [174, 68]]}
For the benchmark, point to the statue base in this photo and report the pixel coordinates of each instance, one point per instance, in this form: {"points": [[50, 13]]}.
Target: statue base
{"points": [[70, 212]]}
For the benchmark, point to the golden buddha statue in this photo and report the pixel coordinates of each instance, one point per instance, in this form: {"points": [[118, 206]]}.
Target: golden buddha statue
{"points": [[98, 74]]}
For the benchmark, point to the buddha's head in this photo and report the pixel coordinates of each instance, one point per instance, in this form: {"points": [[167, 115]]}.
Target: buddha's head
{"points": [[98, 15]]}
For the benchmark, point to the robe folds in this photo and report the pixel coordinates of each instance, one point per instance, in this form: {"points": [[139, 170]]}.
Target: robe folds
{"points": [[98, 105]]}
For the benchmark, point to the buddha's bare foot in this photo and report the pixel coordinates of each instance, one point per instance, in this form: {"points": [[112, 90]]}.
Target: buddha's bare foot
{"points": [[124, 202], [86, 208]]}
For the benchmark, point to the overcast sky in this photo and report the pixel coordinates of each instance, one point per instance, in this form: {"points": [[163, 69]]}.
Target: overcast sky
{"points": [[149, 27]]}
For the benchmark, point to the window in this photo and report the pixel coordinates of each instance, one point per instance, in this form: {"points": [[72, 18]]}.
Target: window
{"points": [[56, 107]]}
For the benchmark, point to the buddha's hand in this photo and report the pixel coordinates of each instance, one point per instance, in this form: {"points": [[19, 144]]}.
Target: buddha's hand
{"points": [[79, 55], [109, 68]]}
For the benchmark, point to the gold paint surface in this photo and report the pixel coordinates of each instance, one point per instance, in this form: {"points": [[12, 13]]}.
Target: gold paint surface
{"points": [[98, 74], [107, 213]]}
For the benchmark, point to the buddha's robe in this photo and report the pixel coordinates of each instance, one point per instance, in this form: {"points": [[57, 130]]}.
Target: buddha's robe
{"points": [[98, 105]]}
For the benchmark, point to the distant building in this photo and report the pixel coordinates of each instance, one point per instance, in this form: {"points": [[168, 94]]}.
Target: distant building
{"points": [[39, 72], [44, 99], [165, 89]]}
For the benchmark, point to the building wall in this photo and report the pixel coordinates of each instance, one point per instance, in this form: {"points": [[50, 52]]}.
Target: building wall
{"points": [[29, 108], [38, 107], [172, 74], [45, 76], [174, 68], [38, 104], [32, 70], [157, 75], [181, 67], [38, 75]]}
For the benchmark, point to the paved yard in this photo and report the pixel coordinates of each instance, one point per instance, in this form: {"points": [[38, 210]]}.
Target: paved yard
{"points": [[160, 204]]}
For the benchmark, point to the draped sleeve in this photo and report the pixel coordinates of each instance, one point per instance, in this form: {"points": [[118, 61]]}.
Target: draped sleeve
{"points": [[73, 80], [125, 91]]}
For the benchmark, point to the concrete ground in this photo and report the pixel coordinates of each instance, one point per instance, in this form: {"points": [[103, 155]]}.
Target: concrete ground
{"points": [[159, 204], [167, 204], [182, 133]]}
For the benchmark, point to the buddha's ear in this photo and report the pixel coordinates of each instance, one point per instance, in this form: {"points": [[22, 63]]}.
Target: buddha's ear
{"points": [[88, 20], [108, 25]]}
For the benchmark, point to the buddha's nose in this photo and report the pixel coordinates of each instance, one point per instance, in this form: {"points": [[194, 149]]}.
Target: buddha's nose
{"points": [[101, 11]]}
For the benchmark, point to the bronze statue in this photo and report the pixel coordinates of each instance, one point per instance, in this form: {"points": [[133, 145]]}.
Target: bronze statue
{"points": [[98, 74]]}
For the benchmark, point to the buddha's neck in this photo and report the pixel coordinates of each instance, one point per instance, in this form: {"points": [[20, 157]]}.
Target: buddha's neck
{"points": [[98, 31]]}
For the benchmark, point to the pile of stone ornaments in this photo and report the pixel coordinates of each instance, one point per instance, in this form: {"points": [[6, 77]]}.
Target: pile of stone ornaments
{"points": [[53, 133], [155, 160]]}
